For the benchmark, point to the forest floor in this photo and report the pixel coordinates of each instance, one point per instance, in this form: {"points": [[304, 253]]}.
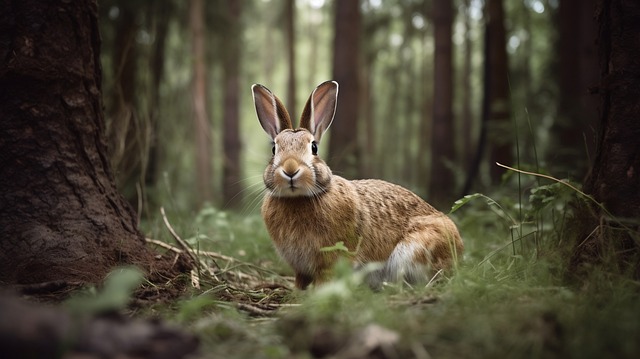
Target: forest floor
{"points": [[511, 295]]}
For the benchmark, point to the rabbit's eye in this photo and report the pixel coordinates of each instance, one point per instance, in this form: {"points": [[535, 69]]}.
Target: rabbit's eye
{"points": [[314, 148], [273, 149]]}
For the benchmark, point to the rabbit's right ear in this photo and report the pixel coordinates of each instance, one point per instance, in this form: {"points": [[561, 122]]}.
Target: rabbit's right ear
{"points": [[271, 112], [320, 109]]}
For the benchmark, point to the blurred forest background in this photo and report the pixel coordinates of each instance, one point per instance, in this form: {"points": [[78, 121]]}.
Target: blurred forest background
{"points": [[432, 92]]}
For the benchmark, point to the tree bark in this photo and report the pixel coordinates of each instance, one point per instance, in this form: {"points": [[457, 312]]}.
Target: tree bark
{"points": [[231, 186], [442, 143], [615, 176], [61, 217], [202, 126], [500, 134], [344, 156], [577, 72]]}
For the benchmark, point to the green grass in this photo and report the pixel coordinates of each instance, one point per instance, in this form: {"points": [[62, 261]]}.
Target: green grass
{"points": [[509, 298]]}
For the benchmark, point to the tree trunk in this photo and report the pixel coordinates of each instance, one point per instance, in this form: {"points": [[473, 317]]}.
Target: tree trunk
{"points": [[162, 11], [467, 95], [500, 136], [426, 122], [202, 126], [615, 176], [231, 186], [390, 150], [344, 157], [289, 15], [61, 218], [442, 145], [369, 145], [577, 70], [410, 96], [127, 132], [481, 145]]}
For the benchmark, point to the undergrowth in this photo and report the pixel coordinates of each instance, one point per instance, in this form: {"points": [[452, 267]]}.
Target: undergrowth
{"points": [[511, 296]]}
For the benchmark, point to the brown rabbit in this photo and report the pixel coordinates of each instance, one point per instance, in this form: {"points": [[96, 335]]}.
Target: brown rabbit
{"points": [[307, 208]]}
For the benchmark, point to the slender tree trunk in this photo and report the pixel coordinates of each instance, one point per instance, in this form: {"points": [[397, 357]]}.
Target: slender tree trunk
{"points": [[481, 145], [425, 134], [366, 166], [391, 149], [61, 218], [467, 95], [344, 156], [410, 97], [291, 55], [313, 37], [202, 126], [408, 133], [121, 112], [162, 11], [128, 133], [442, 145], [232, 189], [500, 136]]}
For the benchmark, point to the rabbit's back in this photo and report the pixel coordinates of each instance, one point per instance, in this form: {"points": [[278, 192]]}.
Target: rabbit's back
{"points": [[386, 214]]}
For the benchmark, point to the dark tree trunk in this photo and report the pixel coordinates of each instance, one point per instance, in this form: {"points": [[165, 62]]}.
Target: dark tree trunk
{"points": [[578, 71], [127, 131], [442, 145], [231, 186], [162, 11], [61, 217], [496, 133], [500, 134], [343, 144], [121, 114], [614, 180]]}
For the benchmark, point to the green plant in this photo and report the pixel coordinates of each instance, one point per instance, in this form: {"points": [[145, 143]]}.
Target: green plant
{"points": [[114, 294]]}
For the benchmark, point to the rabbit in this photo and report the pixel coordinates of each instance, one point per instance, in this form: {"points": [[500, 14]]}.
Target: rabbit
{"points": [[307, 208]]}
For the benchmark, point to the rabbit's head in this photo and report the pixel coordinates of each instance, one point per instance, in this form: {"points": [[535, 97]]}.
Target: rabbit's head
{"points": [[296, 170]]}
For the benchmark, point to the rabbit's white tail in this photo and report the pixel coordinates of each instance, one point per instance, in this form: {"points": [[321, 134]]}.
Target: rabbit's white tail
{"points": [[403, 265], [430, 244]]}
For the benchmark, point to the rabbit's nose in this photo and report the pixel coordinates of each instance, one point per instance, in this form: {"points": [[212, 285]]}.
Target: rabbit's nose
{"points": [[291, 175], [290, 167]]}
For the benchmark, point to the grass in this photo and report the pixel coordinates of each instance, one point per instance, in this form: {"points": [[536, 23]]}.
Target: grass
{"points": [[510, 296]]}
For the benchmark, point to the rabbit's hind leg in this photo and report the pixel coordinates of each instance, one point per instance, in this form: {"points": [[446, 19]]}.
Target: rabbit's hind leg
{"points": [[431, 243]]}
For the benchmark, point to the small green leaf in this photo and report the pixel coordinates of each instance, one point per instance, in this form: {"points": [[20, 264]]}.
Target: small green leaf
{"points": [[114, 295], [464, 200]]}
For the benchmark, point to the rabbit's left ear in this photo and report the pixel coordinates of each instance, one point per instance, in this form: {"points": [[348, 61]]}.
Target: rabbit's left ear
{"points": [[320, 109], [271, 113]]}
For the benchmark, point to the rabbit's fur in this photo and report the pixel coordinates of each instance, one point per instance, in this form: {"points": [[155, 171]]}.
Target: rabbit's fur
{"points": [[307, 208]]}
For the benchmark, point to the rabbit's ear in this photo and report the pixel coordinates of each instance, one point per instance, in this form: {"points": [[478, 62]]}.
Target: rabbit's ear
{"points": [[320, 108], [271, 112]]}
